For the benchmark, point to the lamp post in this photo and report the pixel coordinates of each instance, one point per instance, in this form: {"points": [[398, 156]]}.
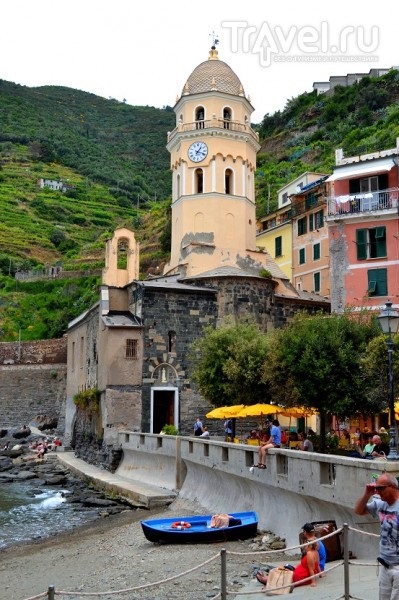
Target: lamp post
{"points": [[389, 322]]}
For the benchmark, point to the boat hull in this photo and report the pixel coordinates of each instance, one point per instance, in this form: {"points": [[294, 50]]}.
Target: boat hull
{"points": [[200, 531]]}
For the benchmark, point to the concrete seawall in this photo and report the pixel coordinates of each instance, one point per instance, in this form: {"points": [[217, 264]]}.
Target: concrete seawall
{"points": [[295, 488]]}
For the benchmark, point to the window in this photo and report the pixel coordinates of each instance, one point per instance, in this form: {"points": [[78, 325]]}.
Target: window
{"points": [[316, 251], [228, 181], [302, 258], [278, 246], [199, 117], [377, 282], [310, 200], [199, 181], [131, 348], [316, 282], [371, 243], [302, 228], [319, 219], [226, 118], [284, 198], [311, 222], [368, 184]]}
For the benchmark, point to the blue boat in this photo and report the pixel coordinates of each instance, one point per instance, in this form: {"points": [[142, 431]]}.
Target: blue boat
{"points": [[198, 529]]}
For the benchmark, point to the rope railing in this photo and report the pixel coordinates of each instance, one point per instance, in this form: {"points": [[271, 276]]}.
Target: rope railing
{"points": [[51, 592]]}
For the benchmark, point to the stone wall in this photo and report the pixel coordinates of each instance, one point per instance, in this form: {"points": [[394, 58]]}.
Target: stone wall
{"points": [[34, 352], [29, 390]]}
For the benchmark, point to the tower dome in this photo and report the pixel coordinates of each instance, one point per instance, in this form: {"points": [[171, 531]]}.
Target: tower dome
{"points": [[213, 75]]}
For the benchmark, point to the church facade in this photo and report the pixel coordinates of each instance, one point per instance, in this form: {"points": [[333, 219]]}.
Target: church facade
{"points": [[133, 345]]}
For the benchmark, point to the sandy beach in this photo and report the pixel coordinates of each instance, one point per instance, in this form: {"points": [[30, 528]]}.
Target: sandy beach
{"points": [[113, 554]]}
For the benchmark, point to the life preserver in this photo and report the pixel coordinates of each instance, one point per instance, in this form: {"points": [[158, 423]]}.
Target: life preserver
{"points": [[181, 525]]}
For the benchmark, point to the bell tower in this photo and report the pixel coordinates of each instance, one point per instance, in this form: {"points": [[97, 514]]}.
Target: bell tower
{"points": [[213, 160]]}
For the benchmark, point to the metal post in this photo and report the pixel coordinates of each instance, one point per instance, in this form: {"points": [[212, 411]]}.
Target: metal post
{"points": [[223, 574], [51, 592], [346, 562], [393, 432]]}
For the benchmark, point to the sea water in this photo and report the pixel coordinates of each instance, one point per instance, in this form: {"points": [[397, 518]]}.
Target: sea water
{"points": [[29, 513]]}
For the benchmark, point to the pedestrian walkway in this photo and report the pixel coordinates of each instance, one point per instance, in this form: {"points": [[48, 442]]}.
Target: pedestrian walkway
{"points": [[363, 584], [140, 494]]}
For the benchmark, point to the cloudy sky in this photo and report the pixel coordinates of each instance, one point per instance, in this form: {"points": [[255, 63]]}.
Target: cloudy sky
{"points": [[143, 52]]}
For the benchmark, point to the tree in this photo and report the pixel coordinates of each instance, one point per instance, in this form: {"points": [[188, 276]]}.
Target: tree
{"points": [[316, 361], [375, 367], [228, 362]]}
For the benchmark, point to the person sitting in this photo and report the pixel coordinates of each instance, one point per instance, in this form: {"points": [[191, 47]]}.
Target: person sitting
{"points": [[309, 533], [380, 447], [205, 432], [367, 451], [253, 435], [307, 443], [274, 441], [308, 567]]}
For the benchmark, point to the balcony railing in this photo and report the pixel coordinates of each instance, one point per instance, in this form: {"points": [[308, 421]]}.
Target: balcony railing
{"points": [[216, 123], [352, 204]]}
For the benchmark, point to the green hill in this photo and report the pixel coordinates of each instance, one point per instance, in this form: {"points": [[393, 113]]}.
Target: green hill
{"points": [[112, 157]]}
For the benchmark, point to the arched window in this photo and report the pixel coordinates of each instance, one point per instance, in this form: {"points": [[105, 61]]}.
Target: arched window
{"points": [[123, 247], [226, 118], [199, 181], [178, 192], [228, 181], [199, 117], [171, 341]]}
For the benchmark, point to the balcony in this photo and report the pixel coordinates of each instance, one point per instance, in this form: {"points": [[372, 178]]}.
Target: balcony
{"points": [[366, 203], [226, 124]]}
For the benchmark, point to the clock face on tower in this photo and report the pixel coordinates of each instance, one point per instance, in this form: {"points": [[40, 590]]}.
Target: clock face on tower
{"points": [[197, 151]]}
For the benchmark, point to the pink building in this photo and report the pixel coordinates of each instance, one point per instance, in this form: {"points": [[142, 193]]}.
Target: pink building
{"points": [[362, 218]]}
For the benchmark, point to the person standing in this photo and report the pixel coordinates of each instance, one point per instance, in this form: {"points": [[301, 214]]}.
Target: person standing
{"points": [[385, 507], [198, 429], [228, 428]]}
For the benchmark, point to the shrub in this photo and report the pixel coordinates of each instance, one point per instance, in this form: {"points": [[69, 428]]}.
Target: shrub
{"points": [[88, 400], [169, 430]]}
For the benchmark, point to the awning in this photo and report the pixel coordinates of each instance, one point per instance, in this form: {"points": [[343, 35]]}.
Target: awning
{"points": [[360, 169]]}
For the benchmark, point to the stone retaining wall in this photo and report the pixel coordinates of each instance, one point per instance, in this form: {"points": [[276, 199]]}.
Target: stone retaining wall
{"points": [[30, 390]]}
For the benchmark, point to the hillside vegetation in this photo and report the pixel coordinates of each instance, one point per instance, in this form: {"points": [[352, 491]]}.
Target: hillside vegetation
{"points": [[114, 160], [303, 137]]}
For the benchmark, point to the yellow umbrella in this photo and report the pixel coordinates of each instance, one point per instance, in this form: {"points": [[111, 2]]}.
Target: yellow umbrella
{"points": [[258, 410], [297, 412], [224, 412]]}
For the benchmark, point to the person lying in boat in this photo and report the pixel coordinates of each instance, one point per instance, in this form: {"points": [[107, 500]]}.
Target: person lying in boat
{"points": [[223, 520]]}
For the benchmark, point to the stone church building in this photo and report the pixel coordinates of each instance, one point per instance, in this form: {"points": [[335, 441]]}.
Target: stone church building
{"points": [[133, 345]]}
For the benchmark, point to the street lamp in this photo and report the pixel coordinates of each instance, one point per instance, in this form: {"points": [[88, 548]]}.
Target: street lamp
{"points": [[389, 322]]}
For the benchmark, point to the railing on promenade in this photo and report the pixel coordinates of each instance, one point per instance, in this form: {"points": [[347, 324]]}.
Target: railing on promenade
{"points": [[52, 592], [330, 478]]}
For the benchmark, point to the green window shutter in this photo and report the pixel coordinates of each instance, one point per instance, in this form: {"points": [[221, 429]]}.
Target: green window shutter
{"points": [[316, 278], [302, 256], [278, 246], [361, 243], [372, 286], [311, 221], [382, 283], [377, 282], [316, 252], [381, 243]]}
